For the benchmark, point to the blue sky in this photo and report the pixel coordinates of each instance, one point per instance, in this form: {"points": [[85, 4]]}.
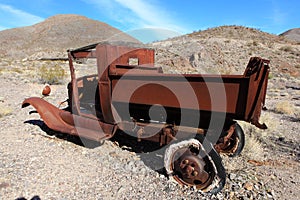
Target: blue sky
{"points": [[171, 17]]}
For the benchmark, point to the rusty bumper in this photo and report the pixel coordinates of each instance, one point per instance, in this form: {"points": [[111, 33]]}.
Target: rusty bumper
{"points": [[66, 122]]}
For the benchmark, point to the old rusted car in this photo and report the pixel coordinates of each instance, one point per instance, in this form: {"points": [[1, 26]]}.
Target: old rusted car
{"points": [[190, 116]]}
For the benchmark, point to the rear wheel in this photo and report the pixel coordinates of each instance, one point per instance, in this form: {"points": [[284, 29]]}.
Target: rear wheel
{"points": [[189, 164], [231, 142]]}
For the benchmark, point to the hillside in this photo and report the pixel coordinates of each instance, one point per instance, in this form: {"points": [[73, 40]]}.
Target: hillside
{"points": [[293, 34], [227, 49], [57, 34]]}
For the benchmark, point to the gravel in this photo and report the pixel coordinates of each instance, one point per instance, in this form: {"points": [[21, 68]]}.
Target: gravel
{"points": [[34, 162]]}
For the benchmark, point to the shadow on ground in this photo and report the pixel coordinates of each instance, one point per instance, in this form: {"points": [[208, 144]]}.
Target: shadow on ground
{"points": [[71, 138], [150, 152]]}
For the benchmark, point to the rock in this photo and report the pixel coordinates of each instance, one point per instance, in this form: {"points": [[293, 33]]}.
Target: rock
{"points": [[283, 94], [232, 176], [248, 186]]}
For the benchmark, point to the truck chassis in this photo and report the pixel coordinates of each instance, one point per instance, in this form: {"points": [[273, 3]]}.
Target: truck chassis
{"points": [[191, 115]]}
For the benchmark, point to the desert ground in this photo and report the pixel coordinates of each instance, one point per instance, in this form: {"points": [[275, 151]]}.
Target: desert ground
{"points": [[37, 161]]}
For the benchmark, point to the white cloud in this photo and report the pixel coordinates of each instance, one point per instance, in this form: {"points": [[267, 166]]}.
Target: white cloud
{"points": [[144, 20], [16, 18], [150, 14], [278, 17], [138, 14]]}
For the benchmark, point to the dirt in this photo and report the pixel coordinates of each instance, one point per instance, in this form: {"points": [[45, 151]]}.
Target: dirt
{"points": [[34, 162]]}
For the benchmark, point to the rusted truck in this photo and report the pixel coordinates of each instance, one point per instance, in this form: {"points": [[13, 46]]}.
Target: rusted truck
{"points": [[191, 117]]}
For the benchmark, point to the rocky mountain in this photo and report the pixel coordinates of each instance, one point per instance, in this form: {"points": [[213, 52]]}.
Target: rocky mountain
{"points": [[226, 50], [292, 34], [57, 34]]}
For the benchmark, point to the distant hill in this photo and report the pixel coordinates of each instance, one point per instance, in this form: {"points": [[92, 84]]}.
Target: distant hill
{"points": [[227, 50], [224, 49], [57, 34], [292, 34]]}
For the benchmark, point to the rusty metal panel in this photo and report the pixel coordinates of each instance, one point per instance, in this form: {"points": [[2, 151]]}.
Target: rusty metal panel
{"points": [[108, 57], [66, 122], [159, 89], [142, 86], [240, 96]]}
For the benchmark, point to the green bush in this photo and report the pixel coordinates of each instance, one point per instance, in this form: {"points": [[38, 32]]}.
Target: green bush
{"points": [[51, 75]]}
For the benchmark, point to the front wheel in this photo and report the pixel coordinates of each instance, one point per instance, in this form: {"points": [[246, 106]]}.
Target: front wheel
{"points": [[188, 163]]}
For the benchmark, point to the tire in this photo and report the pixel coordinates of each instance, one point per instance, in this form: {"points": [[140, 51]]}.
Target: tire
{"points": [[236, 143], [210, 176], [221, 172], [241, 136]]}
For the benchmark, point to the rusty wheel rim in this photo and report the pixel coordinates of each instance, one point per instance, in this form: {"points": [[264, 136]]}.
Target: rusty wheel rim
{"points": [[230, 146], [191, 169]]}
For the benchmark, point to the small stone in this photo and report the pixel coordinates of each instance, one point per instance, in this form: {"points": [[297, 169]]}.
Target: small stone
{"points": [[4, 185], [269, 196], [283, 94], [248, 186], [113, 154], [121, 190], [232, 176]]}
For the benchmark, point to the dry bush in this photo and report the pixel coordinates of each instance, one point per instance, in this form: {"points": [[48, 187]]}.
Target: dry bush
{"points": [[297, 113], [17, 70], [4, 111], [51, 75], [287, 49], [254, 137], [253, 149], [285, 107]]}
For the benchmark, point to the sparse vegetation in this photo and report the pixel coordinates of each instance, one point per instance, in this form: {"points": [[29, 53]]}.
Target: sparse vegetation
{"points": [[287, 48], [51, 75], [17, 70], [285, 107], [255, 137], [4, 111], [271, 75], [255, 43], [253, 148]]}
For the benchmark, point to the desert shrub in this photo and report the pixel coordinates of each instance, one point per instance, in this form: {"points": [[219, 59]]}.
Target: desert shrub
{"points": [[17, 70], [255, 137], [4, 111], [255, 43], [271, 75], [286, 48], [253, 148], [270, 44], [285, 107], [51, 75]]}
